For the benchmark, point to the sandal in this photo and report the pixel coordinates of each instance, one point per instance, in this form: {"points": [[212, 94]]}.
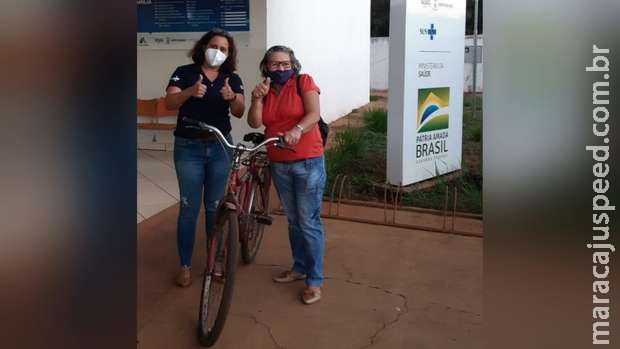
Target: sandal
{"points": [[311, 295], [289, 276]]}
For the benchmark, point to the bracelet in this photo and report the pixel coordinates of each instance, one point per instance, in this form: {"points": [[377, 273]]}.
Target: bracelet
{"points": [[300, 127]]}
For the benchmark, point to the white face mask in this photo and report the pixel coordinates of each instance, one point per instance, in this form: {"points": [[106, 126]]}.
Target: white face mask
{"points": [[215, 57]]}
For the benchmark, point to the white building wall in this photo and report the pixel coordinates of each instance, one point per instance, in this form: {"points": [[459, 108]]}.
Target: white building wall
{"points": [[379, 63], [331, 40]]}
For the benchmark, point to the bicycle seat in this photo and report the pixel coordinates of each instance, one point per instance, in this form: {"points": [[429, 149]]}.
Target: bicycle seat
{"points": [[254, 137]]}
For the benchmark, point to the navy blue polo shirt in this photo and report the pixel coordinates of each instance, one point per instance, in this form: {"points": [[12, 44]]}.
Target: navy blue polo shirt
{"points": [[212, 108]]}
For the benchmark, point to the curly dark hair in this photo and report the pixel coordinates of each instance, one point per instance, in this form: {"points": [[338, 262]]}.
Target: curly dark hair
{"points": [[296, 66], [197, 53]]}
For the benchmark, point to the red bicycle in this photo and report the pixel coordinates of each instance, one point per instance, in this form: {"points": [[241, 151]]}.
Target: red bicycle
{"points": [[242, 215]]}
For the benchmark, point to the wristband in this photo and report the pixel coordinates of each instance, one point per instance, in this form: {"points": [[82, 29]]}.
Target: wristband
{"points": [[300, 127]]}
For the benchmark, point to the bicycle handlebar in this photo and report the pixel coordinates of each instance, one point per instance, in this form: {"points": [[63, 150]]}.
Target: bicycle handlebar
{"points": [[278, 141]]}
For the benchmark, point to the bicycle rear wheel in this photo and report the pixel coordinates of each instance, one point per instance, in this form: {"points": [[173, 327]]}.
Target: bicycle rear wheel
{"points": [[254, 224], [218, 283]]}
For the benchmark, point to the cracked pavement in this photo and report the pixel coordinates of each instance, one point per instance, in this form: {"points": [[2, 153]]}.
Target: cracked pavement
{"points": [[384, 288]]}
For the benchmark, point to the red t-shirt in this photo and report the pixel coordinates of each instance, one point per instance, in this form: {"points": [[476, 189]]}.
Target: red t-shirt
{"points": [[281, 112]]}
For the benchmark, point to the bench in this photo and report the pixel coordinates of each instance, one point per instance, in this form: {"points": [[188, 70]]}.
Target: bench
{"points": [[153, 115]]}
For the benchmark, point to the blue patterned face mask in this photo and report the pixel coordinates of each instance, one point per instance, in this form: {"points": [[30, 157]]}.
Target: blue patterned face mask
{"points": [[281, 76]]}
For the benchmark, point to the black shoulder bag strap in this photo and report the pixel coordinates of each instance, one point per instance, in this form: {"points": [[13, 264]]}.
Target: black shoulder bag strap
{"points": [[323, 127]]}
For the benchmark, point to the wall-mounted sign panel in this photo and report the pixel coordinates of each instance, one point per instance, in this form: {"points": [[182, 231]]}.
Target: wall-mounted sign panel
{"points": [[177, 24]]}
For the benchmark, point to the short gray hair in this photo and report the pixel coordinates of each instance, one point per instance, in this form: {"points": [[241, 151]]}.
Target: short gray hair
{"points": [[296, 66]]}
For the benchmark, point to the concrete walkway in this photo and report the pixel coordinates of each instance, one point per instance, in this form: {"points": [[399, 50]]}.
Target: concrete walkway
{"points": [[157, 184], [385, 287]]}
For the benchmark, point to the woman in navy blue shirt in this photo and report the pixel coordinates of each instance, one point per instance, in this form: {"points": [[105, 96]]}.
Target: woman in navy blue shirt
{"points": [[207, 90]]}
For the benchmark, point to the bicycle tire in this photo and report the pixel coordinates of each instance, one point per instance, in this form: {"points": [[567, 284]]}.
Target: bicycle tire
{"points": [[261, 187], [207, 336]]}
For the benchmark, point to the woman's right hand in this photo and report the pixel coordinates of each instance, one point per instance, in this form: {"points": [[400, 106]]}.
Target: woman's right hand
{"points": [[261, 89], [199, 89]]}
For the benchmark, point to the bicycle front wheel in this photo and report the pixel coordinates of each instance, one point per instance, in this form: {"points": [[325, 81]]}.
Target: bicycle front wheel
{"points": [[258, 216], [218, 282]]}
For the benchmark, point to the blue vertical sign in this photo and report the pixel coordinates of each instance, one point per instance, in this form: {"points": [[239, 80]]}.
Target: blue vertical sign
{"points": [[172, 16]]}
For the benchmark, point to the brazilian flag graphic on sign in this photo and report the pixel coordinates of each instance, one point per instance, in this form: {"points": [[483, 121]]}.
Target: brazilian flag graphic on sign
{"points": [[433, 106]]}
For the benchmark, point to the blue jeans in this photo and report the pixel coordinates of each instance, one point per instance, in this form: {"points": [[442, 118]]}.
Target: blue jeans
{"points": [[202, 171], [300, 186]]}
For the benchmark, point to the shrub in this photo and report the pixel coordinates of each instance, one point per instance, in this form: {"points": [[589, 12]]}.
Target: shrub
{"points": [[477, 134], [376, 120], [358, 154]]}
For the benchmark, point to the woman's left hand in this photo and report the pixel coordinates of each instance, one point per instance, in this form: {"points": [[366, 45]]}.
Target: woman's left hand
{"points": [[292, 136], [227, 93]]}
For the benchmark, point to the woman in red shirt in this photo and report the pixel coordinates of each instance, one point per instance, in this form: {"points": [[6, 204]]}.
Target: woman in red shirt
{"points": [[299, 176]]}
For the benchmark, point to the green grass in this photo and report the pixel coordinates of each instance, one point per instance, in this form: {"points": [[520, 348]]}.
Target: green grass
{"points": [[468, 191], [360, 154], [477, 134], [472, 126], [470, 195], [376, 120], [428, 198], [467, 101]]}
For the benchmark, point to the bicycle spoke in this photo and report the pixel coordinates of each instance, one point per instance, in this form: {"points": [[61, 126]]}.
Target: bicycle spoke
{"points": [[214, 285], [254, 221]]}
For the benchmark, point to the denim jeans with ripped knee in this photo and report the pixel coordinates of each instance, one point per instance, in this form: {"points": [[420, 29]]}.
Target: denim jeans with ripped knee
{"points": [[202, 170]]}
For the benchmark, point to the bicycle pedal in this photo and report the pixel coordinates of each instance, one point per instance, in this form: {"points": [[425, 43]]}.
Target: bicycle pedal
{"points": [[265, 220]]}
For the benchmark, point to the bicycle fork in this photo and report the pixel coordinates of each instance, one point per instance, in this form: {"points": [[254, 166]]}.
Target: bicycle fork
{"points": [[216, 243]]}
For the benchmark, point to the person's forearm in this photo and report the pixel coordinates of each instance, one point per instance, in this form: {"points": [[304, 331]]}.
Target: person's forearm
{"points": [[237, 107], [175, 100], [309, 120], [255, 115]]}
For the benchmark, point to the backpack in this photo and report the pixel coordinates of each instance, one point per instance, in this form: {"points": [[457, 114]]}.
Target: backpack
{"points": [[323, 127]]}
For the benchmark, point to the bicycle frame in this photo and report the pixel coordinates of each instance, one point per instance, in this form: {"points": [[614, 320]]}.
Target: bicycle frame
{"points": [[235, 186], [253, 166], [230, 201]]}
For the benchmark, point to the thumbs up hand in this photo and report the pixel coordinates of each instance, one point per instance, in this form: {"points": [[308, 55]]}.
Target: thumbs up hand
{"points": [[227, 93], [261, 89], [199, 89]]}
